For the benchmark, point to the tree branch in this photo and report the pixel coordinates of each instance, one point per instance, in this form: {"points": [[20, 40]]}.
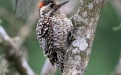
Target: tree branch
{"points": [[13, 56], [118, 67], [117, 5], [84, 22], [12, 49], [48, 69]]}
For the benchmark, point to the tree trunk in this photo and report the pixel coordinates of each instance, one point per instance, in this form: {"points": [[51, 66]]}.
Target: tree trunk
{"points": [[85, 22]]}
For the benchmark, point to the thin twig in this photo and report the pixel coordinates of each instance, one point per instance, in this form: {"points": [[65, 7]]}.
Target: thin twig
{"points": [[48, 69]]}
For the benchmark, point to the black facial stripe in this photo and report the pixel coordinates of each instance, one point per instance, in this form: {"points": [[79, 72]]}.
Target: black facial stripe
{"points": [[46, 2], [52, 5]]}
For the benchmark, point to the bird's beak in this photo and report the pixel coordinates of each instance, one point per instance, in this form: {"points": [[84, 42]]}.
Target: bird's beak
{"points": [[58, 5], [61, 4]]}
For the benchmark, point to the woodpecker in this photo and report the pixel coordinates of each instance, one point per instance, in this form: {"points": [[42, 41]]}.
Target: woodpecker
{"points": [[53, 30]]}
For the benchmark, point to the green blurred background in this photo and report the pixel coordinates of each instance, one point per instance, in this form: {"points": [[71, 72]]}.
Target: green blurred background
{"points": [[106, 47]]}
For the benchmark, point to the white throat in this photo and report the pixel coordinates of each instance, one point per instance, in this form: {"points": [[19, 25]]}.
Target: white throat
{"points": [[45, 11]]}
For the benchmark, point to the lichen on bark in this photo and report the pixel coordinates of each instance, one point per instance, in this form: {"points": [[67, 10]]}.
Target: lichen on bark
{"points": [[84, 22]]}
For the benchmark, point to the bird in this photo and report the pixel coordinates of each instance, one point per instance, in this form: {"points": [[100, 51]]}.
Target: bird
{"points": [[53, 30]]}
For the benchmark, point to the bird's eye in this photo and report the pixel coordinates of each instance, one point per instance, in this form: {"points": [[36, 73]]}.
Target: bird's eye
{"points": [[52, 5]]}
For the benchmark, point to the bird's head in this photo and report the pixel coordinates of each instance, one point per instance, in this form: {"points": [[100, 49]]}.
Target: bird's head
{"points": [[49, 7]]}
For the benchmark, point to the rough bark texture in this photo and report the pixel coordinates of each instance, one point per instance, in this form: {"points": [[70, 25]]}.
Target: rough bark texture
{"points": [[84, 22]]}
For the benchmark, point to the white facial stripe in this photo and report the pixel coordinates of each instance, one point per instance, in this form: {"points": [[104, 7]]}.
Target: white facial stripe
{"points": [[45, 11]]}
